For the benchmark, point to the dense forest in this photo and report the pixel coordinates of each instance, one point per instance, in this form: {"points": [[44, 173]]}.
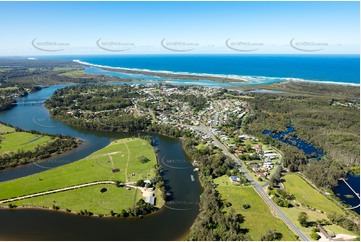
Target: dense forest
{"points": [[6, 103], [97, 107], [46, 72], [335, 129], [331, 128], [92, 98]]}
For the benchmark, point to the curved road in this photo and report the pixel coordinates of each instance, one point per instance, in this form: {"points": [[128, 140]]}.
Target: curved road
{"points": [[257, 187]]}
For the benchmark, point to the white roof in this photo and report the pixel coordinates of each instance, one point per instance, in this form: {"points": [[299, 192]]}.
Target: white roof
{"points": [[150, 200]]}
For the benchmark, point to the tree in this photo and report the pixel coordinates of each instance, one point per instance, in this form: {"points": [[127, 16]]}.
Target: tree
{"points": [[315, 235], [271, 235], [124, 213], [143, 159], [140, 183], [246, 206], [302, 218]]}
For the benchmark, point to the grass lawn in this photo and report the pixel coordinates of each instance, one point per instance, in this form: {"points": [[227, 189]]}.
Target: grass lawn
{"points": [[57, 69], [21, 140], [6, 129], [74, 73], [292, 214], [308, 196], [89, 198], [258, 218], [121, 154], [8, 88], [338, 230]]}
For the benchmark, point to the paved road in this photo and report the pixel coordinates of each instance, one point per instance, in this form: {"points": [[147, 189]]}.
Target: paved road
{"points": [[257, 187], [56, 190]]}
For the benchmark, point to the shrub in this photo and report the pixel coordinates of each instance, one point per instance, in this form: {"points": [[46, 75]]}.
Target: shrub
{"points": [[246, 206]]}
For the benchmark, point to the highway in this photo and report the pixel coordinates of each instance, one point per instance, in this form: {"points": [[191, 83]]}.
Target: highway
{"points": [[257, 187]]}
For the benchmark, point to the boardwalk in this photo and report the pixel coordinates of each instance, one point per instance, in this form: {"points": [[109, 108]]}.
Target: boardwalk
{"points": [[357, 195]]}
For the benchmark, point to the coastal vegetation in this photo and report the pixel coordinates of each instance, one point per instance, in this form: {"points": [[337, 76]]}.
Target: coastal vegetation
{"points": [[18, 147], [331, 128], [111, 170], [31, 73]]}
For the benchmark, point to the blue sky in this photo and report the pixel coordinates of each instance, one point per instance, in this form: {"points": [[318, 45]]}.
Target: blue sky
{"points": [[197, 27]]}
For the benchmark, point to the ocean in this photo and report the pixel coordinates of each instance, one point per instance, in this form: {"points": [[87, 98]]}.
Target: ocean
{"points": [[343, 69]]}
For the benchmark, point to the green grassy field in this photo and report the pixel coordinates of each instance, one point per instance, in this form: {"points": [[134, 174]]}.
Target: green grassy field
{"points": [[258, 218], [292, 214], [73, 73], [89, 198], [21, 140], [6, 129], [121, 154], [8, 88], [308, 196]]}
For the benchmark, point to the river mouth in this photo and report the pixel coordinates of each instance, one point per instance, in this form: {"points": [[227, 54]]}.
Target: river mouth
{"points": [[171, 222]]}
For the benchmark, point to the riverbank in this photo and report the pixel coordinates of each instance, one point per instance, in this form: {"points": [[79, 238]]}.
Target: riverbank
{"points": [[178, 216], [119, 162], [19, 147]]}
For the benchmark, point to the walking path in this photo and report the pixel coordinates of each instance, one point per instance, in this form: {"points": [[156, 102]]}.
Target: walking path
{"points": [[126, 167]]}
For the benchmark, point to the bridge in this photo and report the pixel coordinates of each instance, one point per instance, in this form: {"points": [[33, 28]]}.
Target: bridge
{"points": [[30, 102], [357, 194]]}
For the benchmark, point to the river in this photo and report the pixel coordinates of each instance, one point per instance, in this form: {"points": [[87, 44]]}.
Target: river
{"points": [[172, 222]]}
